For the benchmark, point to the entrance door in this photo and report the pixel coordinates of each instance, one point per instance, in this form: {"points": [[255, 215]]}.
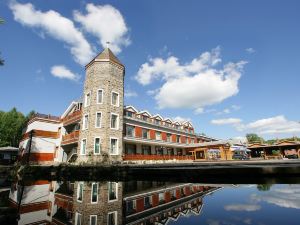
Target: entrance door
{"points": [[200, 155]]}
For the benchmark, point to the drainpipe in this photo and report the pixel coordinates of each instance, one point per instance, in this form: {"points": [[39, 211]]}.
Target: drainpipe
{"points": [[30, 143]]}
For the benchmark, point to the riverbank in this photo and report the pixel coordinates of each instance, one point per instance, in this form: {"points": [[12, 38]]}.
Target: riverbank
{"points": [[226, 171]]}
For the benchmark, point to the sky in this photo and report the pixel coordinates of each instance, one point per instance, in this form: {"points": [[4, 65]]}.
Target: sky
{"points": [[230, 67]]}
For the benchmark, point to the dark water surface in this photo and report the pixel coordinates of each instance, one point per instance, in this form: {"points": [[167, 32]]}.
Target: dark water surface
{"points": [[148, 202]]}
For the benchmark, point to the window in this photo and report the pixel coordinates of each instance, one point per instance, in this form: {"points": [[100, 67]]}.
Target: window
{"points": [[93, 219], [115, 98], [148, 202], [114, 121], [173, 194], [145, 133], [129, 114], [145, 118], [157, 135], [97, 145], [146, 149], [94, 193], [161, 198], [157, 122], [78, 218], [178, 138], [98, 119], [192, 140], [112, 218], [83, 147], [131, 206], [112, 191], [100, 96], [186, 140], [130, 131], [80, 191], [87, 101], [176, 126], [169, 137], [130, 149], [85, 122], [113, 146]]}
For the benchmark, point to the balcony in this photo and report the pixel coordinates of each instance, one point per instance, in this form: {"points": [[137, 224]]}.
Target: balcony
{"points": [[157, 157], [75, 117], [71, 138]]}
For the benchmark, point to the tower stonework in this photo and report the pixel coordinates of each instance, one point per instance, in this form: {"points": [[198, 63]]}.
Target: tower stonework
{"points": [[101, 136]]}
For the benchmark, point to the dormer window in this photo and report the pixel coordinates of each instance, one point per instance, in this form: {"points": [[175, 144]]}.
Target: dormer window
{"points": [[145, 118], [157, 122], [129, 114]]}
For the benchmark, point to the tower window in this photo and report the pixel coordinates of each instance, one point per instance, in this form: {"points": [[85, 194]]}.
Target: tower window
{"points": [[114, 121], [113, 146], [93, 219], [97, 146], [100, 96], [112, 218], [87, 101], [83, 147], [115, 98], [94, 193], [85, 122], [79, 191], [98, 119], [112, 191]]}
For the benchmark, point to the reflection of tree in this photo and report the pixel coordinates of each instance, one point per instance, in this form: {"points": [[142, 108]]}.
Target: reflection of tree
{"points": [[263, 187]]}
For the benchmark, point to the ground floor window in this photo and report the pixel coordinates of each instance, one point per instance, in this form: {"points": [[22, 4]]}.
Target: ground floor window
{"points": [[130, 149], [159, 150], [112, 218], [170, 151], [146, 150], [200, 155]]}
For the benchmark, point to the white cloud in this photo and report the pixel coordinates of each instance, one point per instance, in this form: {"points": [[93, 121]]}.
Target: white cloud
{"points": [[242, 207], [199, 111], [273, 125], [236, 107], [250, 50], [181, 119], [107, 24], [62, 72], [231, 121], [287, 196], [192, 85], [56, 26], [130, 93]]}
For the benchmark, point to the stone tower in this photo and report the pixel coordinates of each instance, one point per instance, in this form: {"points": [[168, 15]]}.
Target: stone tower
{"points": [[101, 135]]}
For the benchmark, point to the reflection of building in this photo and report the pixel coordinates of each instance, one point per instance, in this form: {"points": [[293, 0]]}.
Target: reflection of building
{"points": [[100, 128], [107, 203]]}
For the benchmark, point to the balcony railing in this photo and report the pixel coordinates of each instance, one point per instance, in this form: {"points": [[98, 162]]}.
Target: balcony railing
{"points": [[157, 157], [72, 118], [70, 138]]}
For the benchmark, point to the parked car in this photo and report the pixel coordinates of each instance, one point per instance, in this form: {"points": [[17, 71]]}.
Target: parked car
{"points": [[293, 156], [240, 156]]}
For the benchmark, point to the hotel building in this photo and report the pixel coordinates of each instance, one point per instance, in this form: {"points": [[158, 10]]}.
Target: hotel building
{"points": [[99, 128]]}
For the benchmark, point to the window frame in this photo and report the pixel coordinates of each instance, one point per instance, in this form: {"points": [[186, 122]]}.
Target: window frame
{"points": [[100, 89], [85, 125], [95, 216], [97, 185], [117, 125], [98, 112], [117, 185], [85, 99], [76, 218], [118, 99], [95, 146], [117, 146], [81, 144], [78, 190], [115, 213]]}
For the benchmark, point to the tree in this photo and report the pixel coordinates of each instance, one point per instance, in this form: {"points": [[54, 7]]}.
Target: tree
{"points": [[264, 187], [253, 138], [11, 126]]}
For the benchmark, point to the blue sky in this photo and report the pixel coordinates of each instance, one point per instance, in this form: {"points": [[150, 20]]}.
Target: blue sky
{"points": [[231, 67]]}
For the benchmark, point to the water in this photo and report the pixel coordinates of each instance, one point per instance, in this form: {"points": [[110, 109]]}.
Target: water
{"points": [[149, 202]]}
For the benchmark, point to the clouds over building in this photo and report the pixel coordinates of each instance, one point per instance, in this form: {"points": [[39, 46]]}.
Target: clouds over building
{"points": [[195, 84]]}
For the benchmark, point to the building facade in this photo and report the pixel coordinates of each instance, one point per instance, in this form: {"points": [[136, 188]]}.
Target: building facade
{"points": [[99, 128]]}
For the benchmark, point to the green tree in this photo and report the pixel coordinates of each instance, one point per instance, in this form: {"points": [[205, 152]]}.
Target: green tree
{"points": [[253, 138], [11, 126], [264, 187]]}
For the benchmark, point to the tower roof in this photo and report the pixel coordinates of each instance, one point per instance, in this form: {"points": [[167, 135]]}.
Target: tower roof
{"points": [[106, 56]]}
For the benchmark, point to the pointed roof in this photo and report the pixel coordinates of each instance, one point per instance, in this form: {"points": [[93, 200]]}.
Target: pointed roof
{"points": [[106, 56]]}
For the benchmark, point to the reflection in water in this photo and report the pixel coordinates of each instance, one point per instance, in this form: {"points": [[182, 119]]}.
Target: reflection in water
{"points": [[109, 203], [149, 202]]}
